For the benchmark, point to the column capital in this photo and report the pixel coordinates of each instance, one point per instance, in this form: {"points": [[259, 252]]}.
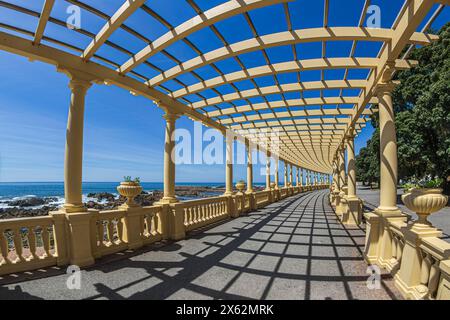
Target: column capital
{"points": [[385, 87], [350, 135], [169, 113], [78, 78]]}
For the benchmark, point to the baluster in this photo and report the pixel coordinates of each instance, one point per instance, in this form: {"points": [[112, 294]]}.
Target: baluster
{"points": [[156, 224], [146, 229], [186, 216], [46, 240], [191, 216], [399, 250], [394, 246], [202, 213], [4, 247], [120, 230], [32, 242], [433, 282], [18, 243], [425, 270], [110, 231], [100, 233]]}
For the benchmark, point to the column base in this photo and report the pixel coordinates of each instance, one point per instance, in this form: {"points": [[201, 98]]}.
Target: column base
{"points": [[167, 200], [72, 208], [387, 215], [353, 214]]}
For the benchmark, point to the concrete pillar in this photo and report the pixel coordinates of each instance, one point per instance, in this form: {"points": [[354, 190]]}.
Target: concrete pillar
{"points": [[291, 175], [351, 165], [298, 177], [169, 162], [267, 170], [277, 178], [285, 174], [249, 167], [73, 163], [388, 149], [302, 172], [379, 249], [341, 167], [353, 214], [229, 165]]}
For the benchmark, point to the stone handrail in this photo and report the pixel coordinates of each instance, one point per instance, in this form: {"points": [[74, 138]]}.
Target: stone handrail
{"points": [[27, 243], [107, 229], [198, 213], [79, 238], [419, 265], [262, 198]]}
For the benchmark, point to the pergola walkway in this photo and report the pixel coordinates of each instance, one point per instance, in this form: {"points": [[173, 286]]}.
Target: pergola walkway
{"points": [[293, 249]]}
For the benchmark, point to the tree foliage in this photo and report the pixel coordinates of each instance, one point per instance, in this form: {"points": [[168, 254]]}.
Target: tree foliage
{"points": [[422, 106]]}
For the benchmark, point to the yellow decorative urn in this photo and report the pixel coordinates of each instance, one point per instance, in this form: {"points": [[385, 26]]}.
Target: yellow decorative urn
{"points": [[424, 201], [129, 189], [240, 186]]}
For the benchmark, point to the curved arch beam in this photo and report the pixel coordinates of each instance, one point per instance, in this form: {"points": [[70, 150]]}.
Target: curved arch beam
{"points": [[284, 88], [283, 39], [292, 66], [285, 114], [206, 19], [118, 18], [296, 113]]}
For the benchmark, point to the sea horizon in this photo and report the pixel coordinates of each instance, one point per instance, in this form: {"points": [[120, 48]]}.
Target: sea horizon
{"points": [[43, 189]]}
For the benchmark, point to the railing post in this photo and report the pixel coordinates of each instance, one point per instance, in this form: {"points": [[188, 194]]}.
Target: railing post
{"points": [[133, 226], [61, 238], [444, 281], [79, 224], [175, 213]]}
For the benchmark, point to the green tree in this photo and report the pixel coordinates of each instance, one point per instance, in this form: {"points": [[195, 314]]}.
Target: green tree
{"points": [[422, 106]]}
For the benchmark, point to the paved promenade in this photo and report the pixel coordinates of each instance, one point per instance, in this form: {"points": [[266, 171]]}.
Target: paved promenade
{"points": [[440, 220], [293, 249]]}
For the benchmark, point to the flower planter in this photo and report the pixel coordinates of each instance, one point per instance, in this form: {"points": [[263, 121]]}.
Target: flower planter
{"points": [[424, 201], [129, 190], [273, 185], [240, 186]]}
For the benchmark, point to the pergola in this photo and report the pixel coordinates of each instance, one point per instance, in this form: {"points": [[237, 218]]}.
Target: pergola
{"points": [[313, 118], [248, 83]]}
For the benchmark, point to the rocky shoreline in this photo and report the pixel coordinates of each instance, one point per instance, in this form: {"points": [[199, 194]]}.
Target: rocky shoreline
{"points": [[36, 206]]}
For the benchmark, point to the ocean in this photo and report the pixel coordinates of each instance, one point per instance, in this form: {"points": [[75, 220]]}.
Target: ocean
{"points": [[17, 190]]}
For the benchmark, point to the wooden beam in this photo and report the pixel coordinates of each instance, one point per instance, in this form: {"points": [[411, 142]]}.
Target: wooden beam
{"points": [[118, 18], [43, 19]]}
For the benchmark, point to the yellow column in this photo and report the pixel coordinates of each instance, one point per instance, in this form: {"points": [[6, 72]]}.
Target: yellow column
{"points": [[291, 175], [298, 177], [229, 165], [249, 167], [73, 164], [169, 162], [351, 165], [277, 178], [388, 149], [341, 167], [267, 170], [285, 175], [302, 173]]}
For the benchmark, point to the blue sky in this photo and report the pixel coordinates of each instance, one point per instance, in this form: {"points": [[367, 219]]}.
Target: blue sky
{"points": [[124, 134]]}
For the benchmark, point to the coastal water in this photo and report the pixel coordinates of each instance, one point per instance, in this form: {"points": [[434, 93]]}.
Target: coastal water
{"points": [[9, 190], [18, 190]]}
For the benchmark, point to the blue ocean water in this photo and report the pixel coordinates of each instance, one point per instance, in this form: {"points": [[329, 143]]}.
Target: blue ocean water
{"points": [[9, 190]]}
